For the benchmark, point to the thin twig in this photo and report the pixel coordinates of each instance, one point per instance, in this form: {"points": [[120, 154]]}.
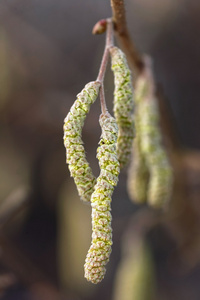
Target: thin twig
{"points": [[104, 62], [119, 19], [102, 100], [109, 43]]}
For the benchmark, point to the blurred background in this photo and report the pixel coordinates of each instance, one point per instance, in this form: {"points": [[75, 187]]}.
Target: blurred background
{"points": [[47, 55]]}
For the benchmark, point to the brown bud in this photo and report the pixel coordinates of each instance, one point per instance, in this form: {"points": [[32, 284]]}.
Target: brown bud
{"points": [[100, 27]]}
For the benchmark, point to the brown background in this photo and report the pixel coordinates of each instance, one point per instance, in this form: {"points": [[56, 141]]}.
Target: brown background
{"points": [[47, 55]]}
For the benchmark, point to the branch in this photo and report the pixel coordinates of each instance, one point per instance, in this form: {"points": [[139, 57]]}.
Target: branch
{"points": [[137, 63], [119, 20]]}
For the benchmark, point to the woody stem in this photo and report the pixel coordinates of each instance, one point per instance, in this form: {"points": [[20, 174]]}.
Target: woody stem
{"points": [[104, 62]]}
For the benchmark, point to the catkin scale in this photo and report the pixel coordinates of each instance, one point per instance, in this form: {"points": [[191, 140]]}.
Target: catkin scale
{"points": [[75, 152], [123, 104], [99, 252]]}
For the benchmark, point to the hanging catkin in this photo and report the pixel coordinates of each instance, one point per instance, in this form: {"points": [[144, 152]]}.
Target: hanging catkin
{"points": [[123, 104], [76, 158], [138, 174], [160, 184], [152, 152], [99, 252]]}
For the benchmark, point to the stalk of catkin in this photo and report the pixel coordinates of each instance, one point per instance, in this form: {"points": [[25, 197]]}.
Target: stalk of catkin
{"points": [[99, 252], [138, 174], [123, 104], [75, 152]]}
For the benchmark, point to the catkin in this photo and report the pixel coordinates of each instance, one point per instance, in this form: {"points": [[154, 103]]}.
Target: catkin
{"points": [[99, 252], [151, 157], [123, 104], [75, 152], [160, 184], [138, 174]]}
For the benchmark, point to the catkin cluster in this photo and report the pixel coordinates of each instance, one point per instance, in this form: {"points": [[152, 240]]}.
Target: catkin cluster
{"points": [[150, 170], [99, 252], [112, 154], [76, 158], [123, 104], [150, 175]]}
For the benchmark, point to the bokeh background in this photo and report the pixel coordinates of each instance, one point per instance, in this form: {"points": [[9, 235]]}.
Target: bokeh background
{"points": [[47, 55]]}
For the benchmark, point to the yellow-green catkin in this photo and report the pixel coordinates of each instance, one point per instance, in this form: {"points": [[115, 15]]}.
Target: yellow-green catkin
{"points": [[138, 174], [160, 183], [99, 252], [123, 104], [75, 152]]}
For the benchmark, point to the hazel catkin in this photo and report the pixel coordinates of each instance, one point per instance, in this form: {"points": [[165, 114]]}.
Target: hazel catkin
{"points": [[75, 152], [160, 183], [138, 176], [99, 252], [123, 104], [138, 173]]}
